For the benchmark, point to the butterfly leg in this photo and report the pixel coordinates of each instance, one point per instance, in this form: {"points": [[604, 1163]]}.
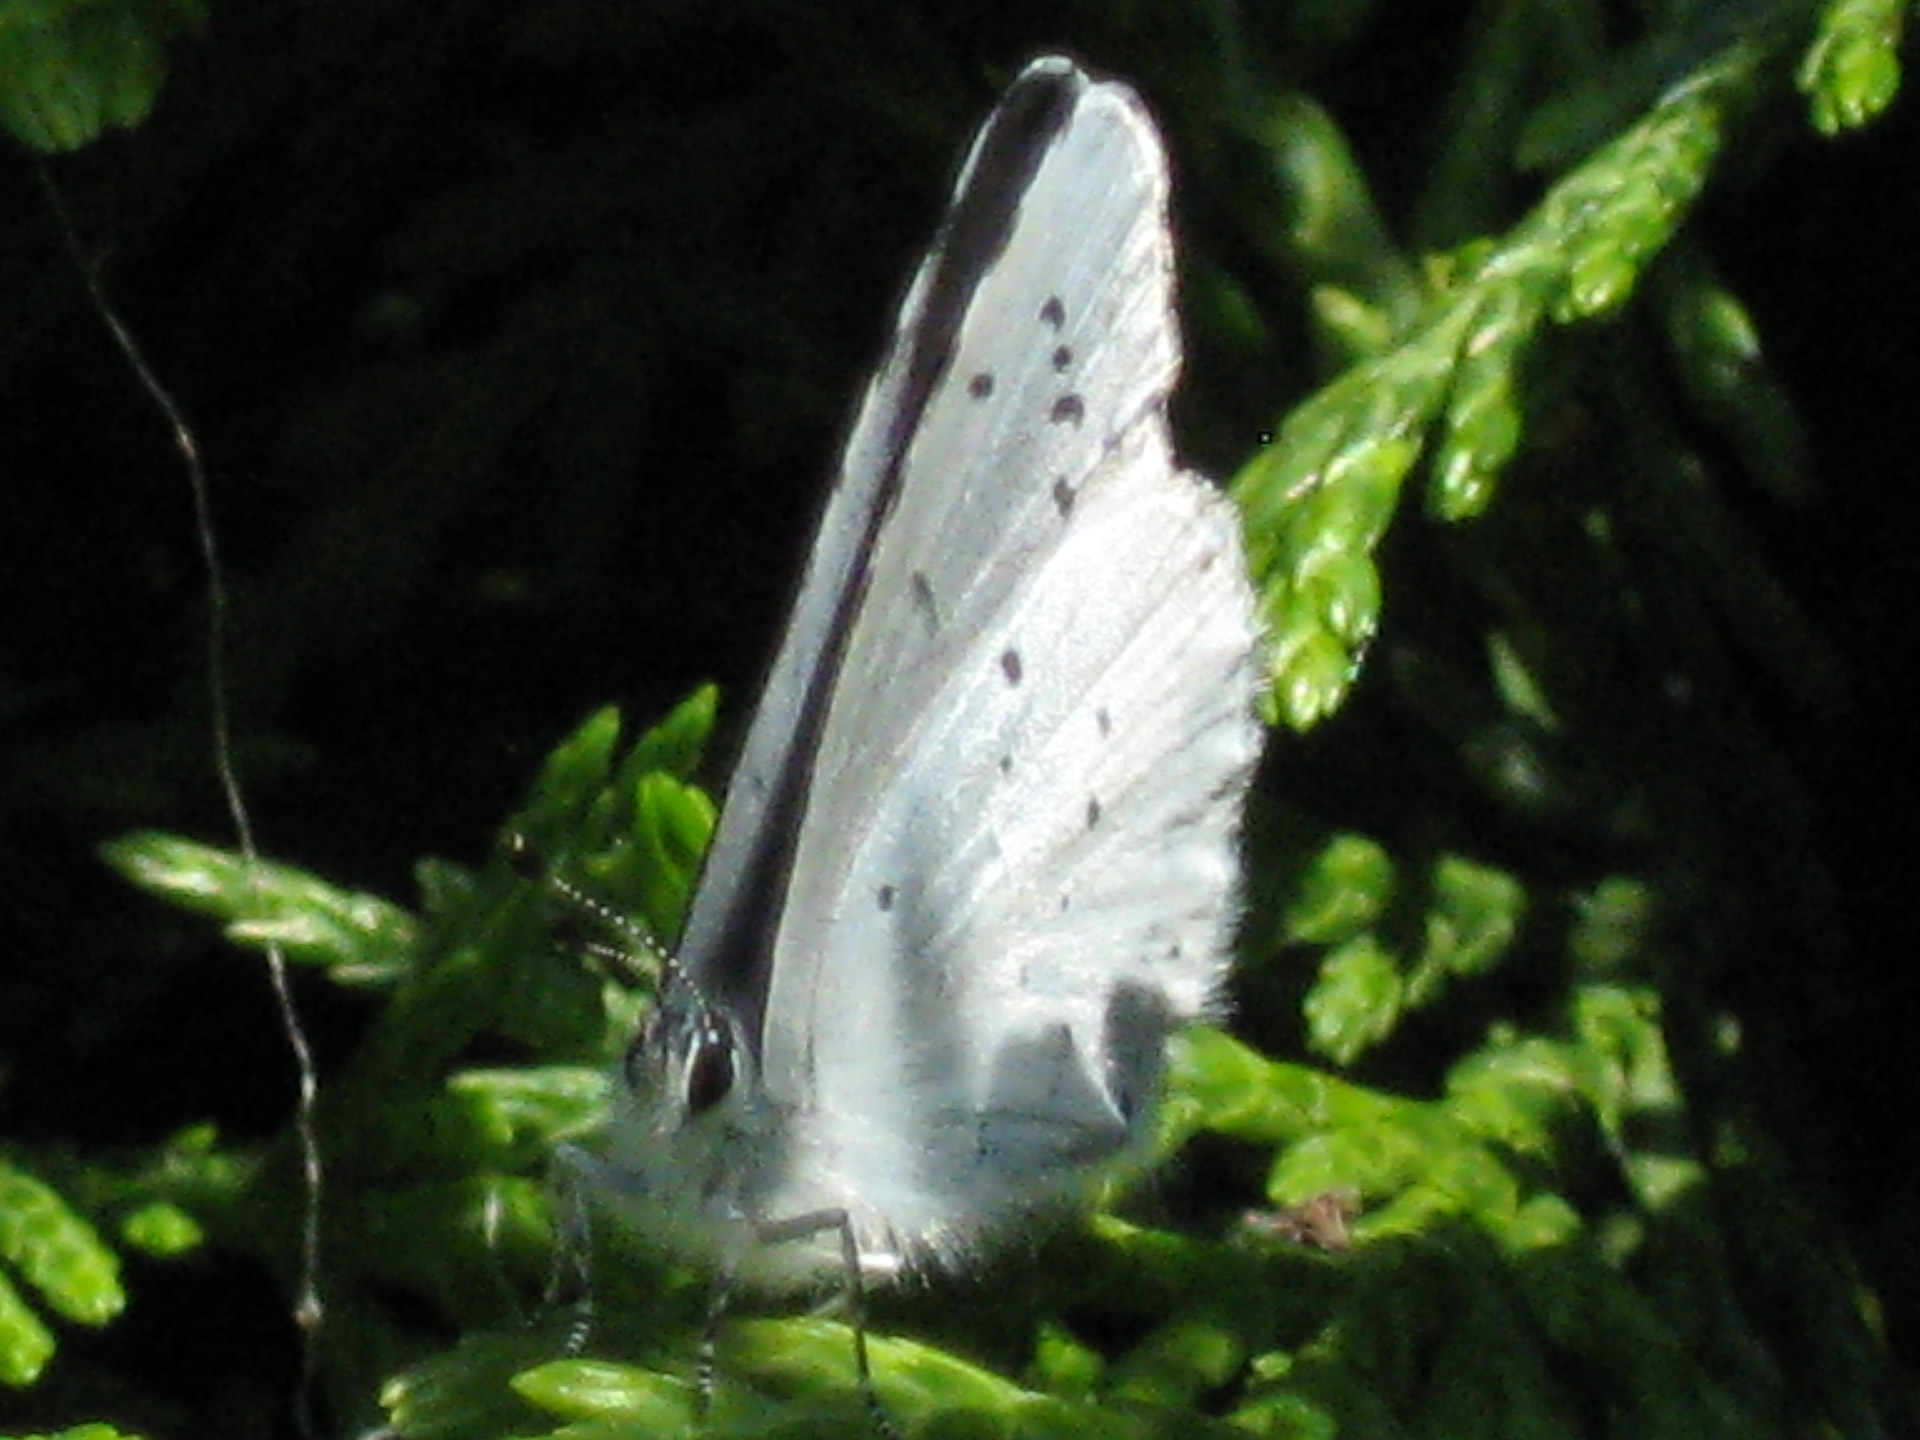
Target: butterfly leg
{"points": [[801, 1227], [706, 1367], [573, 1244]]}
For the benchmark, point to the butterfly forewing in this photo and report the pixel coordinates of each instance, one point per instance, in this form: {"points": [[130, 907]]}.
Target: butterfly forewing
{"points": [[1060, 338], [905, 404]]}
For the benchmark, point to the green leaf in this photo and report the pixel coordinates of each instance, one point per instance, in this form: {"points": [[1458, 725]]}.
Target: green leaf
{"points": [[360, 939], [1340, 893], [25, 1342], [1356, 1001], [56, 1251], [1851, 72], [73, 68]]}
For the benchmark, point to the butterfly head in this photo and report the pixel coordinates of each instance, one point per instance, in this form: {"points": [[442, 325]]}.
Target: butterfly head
{"points": [[689, 1069]]}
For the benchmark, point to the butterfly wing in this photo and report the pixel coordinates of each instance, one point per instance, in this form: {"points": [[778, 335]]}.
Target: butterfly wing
{"points": [[726, 946], [1013, 867]]}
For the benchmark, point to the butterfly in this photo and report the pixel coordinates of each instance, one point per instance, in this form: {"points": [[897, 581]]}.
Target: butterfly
{"points": [[977, 859]]}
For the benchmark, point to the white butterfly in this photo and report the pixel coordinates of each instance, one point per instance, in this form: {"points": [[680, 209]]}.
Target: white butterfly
{"points": [[978, 856]]}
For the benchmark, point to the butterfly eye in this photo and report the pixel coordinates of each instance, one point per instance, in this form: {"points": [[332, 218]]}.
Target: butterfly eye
{"points": [[710, 1073]]}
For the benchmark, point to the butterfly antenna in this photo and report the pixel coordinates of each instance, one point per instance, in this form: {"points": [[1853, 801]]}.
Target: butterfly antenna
{"points": [[638, 945], [309, 1309]]}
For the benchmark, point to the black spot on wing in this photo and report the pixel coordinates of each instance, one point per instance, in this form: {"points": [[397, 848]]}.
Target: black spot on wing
{"points": [[1053, 312], [1068, 410], [980, 386], [1227, 789], [1062, 358], [923, 601], [1011, 666], [1063, 494]]}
